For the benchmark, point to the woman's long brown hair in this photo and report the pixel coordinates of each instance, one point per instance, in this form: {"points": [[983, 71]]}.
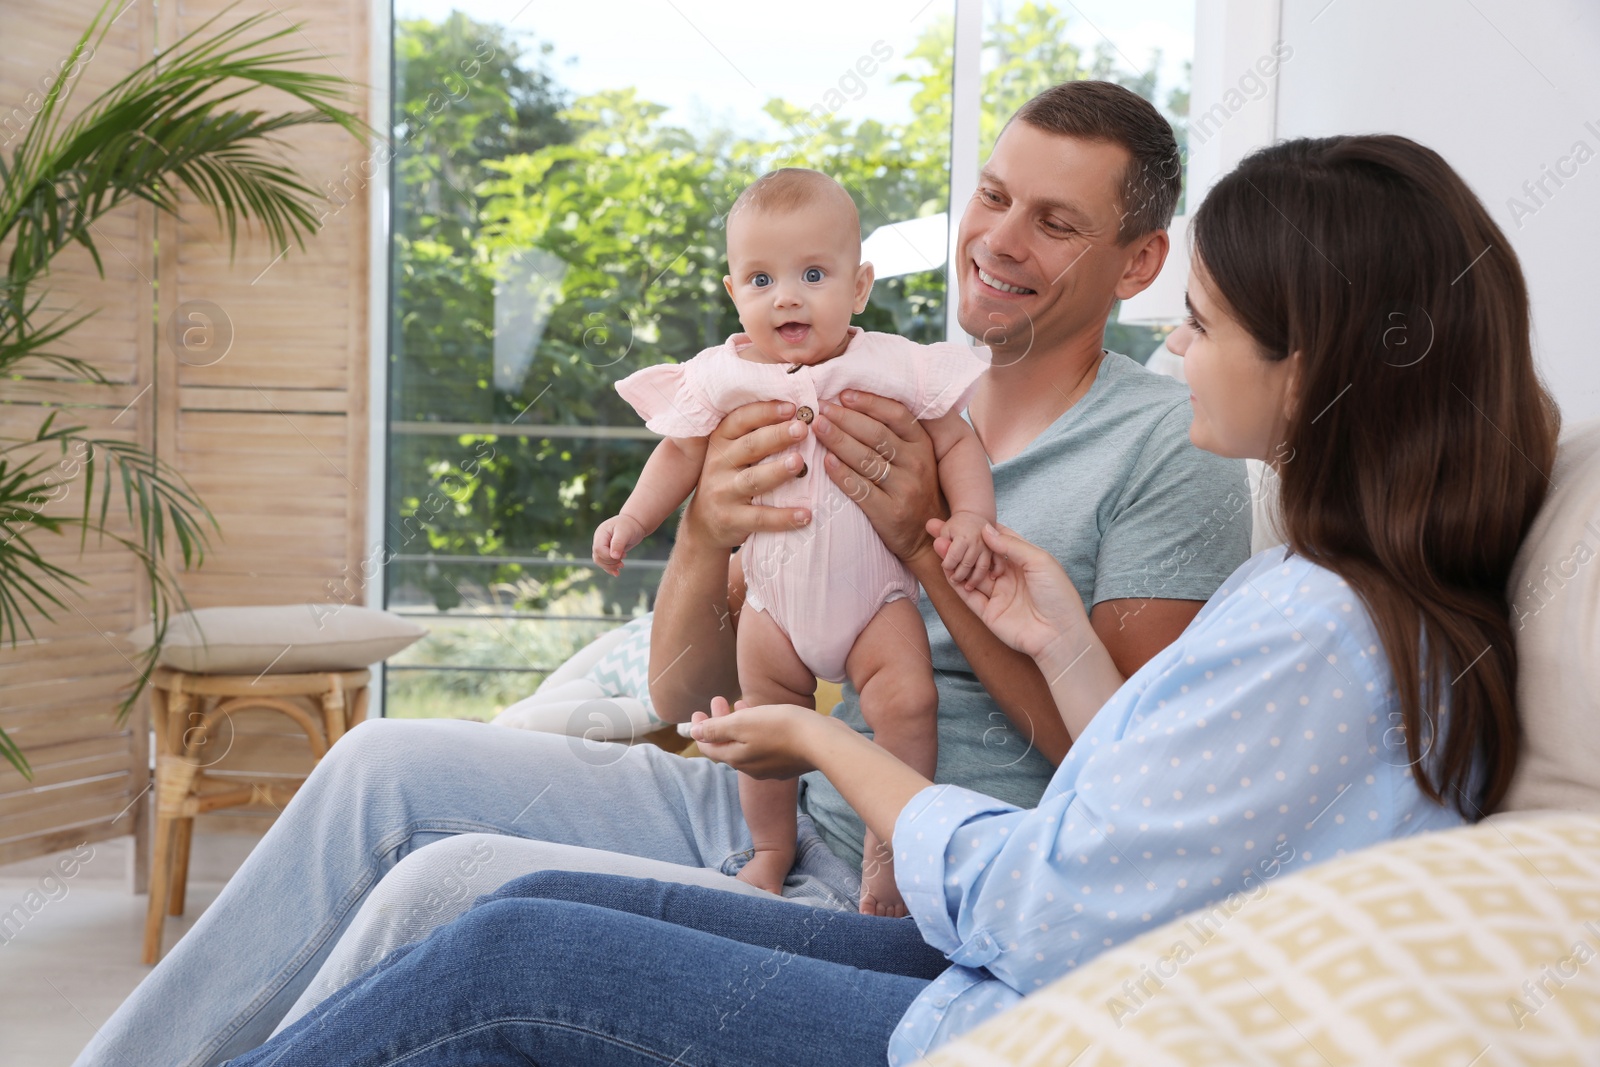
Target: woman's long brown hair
{"points": [[1421, 438]]}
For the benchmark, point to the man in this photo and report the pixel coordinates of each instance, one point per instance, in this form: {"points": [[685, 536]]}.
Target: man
{"points": [[1091, 460]]}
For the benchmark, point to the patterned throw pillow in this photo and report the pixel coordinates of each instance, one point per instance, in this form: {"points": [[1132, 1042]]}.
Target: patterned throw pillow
{"points": [[1473, 947], [624, 669]]}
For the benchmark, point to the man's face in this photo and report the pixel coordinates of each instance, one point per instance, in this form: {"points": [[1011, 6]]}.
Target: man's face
{"points": [[1037, 254]]}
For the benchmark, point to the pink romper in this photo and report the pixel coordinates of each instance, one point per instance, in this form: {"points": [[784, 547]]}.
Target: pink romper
{"points": [[824, 583]]}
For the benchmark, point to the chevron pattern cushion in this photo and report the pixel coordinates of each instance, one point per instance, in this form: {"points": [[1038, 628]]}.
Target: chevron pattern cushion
{"points": [[1469, 947], [624, 670]]}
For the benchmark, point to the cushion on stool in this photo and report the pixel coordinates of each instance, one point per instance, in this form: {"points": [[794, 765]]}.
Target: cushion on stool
{"points": [[279, 639]]}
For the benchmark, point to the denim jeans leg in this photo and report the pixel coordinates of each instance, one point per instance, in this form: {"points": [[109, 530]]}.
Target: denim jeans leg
{"points": [[390, 787], [433, 885], [869, 942], [567, 984]]}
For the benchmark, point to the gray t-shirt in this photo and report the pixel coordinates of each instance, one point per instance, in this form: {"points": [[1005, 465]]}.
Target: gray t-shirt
{"points": [[1115, 491]]}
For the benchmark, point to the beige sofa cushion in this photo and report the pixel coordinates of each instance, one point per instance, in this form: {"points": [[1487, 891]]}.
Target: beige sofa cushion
{"points": [[1555, 615], [1413, 952], [281, 639]]}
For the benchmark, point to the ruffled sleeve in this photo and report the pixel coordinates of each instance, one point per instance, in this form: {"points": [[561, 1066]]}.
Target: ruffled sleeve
{"points": [[667, 398], [947, 376]]}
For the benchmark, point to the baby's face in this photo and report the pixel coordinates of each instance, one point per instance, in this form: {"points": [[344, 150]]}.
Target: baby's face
{"points": [[796, 278]]}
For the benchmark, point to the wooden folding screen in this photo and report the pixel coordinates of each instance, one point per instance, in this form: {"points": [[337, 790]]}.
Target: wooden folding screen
{"points": [[249, 376], [58, 693]]}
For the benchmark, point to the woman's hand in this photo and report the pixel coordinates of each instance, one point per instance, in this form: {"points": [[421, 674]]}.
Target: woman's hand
{"points": [[720, 512], [768, 741], [1028, 601], [883, 460]]}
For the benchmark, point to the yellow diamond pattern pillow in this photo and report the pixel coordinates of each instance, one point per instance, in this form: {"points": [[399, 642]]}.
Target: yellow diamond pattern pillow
{"points": [[1478, 947]]}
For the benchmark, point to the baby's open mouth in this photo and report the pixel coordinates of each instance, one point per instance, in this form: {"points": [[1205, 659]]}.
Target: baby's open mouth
{"points": [[794, 332]]}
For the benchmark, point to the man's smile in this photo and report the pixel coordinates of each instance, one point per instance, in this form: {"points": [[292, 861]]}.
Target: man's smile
{"points": [[1001, 286]]}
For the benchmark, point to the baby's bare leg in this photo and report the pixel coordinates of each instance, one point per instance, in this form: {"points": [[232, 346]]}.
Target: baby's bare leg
{"points": [[893, 671], [770, 672]]}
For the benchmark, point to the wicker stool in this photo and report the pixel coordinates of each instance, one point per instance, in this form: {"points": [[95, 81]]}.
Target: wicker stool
{"points": [[184, 709]]}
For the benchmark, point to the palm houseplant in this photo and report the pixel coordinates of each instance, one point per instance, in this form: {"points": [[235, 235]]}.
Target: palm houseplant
{"points": [[174, 124]]}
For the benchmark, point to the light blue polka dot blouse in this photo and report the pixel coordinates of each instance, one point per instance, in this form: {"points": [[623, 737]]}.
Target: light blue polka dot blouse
{"points": [[1265, 739]]}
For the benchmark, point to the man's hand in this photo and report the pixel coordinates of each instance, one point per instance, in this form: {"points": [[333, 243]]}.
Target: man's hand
{"points": [[720, 512], [883, 460]]}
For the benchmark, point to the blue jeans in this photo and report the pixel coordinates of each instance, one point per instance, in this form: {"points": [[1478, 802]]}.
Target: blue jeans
{"points": [[382, 794], [594, 970]]}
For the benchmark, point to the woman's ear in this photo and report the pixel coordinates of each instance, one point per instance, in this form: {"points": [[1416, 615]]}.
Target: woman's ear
{"points": [[1288, 404], [1289, 399], [864, 279]]}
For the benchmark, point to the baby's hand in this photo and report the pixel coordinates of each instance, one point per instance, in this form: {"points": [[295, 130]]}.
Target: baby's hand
{"points": [[969, 558], [613, 540]]}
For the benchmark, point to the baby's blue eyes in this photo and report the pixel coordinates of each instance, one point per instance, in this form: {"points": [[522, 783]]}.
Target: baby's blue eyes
{"points": [[812, 275]]}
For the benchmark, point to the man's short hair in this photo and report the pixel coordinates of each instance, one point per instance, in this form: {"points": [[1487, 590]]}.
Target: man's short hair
{"points": [[789, 188], [1105, 111]]}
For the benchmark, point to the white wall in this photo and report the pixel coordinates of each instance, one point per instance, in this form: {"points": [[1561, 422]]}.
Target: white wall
{"points": [[1502, 89]]}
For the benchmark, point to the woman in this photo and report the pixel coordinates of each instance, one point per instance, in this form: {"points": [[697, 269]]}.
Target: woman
{"points": [[1352, 687]]}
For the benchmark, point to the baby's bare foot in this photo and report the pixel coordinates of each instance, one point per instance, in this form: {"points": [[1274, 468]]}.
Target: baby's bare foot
{"points": [[879, 894], [767, 870]]}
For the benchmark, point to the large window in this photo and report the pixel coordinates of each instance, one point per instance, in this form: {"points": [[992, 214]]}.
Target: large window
{"points": [[559, 186]]}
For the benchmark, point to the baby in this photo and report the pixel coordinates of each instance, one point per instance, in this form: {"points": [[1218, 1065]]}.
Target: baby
{"points": [[829, 600]]}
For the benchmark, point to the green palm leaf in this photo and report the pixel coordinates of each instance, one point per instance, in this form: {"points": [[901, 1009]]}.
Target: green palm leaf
{"points": [[170, 125]]}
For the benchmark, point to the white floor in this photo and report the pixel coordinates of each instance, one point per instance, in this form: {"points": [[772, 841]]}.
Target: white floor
{"points": [[75, 958]]}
